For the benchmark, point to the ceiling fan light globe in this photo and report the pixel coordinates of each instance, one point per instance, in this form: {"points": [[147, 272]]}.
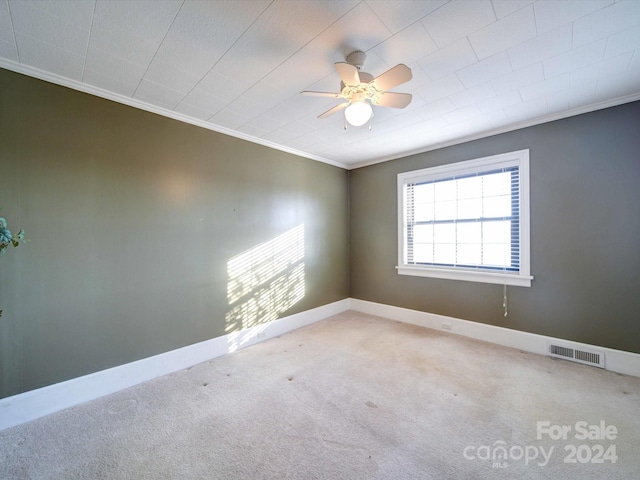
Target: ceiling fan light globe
{"points": [[358, 113]]}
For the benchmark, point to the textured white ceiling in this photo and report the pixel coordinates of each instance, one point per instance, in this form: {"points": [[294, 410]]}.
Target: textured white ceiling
{"points": [[238, 66]]}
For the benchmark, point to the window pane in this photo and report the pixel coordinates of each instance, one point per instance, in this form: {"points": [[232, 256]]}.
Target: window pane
{"points": [[496, 206], [423, 253], [470, 187], [444, 233], [446, 210], [470, 208], [469, 232], [445, 253], [497, 184], [496, 232], [496, 255], [445, 190], [423, 212], [470, 254], [423, 193], [423, 234]]}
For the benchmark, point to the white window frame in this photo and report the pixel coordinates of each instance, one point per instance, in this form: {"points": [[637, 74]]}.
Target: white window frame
{"points": [[521, 278]]}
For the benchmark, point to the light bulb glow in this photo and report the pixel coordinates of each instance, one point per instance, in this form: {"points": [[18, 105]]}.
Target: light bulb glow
{"points": [[358, 113]]}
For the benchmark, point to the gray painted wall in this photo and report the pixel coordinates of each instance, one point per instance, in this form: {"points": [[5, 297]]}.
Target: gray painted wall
{"points": [[585, 233], [132, 219]]}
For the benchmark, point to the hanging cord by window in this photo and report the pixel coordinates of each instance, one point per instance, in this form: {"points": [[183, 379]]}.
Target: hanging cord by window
{"points": [[504, 291], [504, 299]]}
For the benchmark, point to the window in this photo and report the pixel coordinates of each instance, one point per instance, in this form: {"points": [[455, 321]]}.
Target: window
{"points": [[467, 220]]}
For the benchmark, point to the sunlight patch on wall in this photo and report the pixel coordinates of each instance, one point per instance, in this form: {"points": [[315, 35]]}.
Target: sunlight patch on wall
{"points": [[265, 281]]}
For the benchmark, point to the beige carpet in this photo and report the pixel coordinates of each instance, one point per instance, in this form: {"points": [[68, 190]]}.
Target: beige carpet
{"points": [[351, 397]]}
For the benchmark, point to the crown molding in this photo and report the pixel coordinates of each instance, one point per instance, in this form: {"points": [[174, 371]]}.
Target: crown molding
{"points": [[132, 102], [508, 128]]}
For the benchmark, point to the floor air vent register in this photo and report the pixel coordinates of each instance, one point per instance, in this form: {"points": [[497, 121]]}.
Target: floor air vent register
{"points": [[577, 354]]}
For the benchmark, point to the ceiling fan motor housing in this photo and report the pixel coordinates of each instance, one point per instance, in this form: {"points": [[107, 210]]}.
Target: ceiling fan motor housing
{"points": [[364, 78], [356, 59]]}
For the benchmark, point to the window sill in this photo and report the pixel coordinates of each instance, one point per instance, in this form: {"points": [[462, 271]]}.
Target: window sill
{"points": [[467, 275]]}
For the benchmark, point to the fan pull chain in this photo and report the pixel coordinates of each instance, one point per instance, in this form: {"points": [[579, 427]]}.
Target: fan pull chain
{"points": [[504, 299]]}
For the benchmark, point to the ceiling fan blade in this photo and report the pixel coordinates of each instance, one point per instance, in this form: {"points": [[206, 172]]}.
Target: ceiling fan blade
{"points": [[392, 78], [333, 110], [392, 99], [321, 94], [348, 74]]}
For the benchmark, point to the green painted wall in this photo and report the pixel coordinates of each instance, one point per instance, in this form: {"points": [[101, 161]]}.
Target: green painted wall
{"points": [[132, 219], [585, 233]]}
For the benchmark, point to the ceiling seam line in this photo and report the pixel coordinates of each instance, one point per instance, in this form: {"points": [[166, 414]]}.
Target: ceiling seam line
{"points": [[13, 30], [86, 52], [39, 40], [158, 49], [223, 55], [493, 7], [386, 26]]}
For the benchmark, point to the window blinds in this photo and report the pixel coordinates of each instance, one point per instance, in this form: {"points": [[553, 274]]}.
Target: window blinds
{"points": [[468, 220]]}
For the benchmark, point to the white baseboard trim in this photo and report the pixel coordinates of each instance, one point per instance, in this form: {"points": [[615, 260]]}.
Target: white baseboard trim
{"points": [[37, 403], [615, 360]]}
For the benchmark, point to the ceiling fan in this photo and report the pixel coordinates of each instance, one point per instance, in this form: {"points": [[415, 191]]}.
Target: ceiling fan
{"points": [[357, 87]]}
